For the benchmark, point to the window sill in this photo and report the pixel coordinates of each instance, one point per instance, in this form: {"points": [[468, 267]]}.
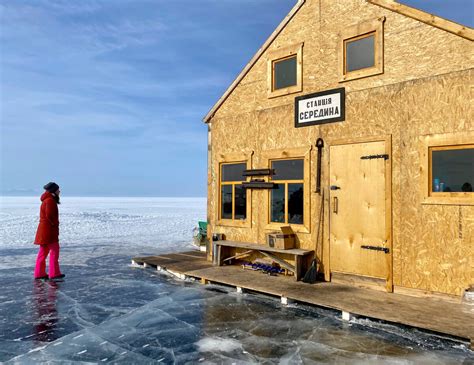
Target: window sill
{"points": [[285, 91], [448, 199], [234, 223], [297, 228], [355, 75]]}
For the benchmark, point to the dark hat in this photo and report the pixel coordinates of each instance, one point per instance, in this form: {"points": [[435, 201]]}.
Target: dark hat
{"points": [[52, 187]]}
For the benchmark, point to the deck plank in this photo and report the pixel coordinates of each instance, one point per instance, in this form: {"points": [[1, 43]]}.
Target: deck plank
{"points": [[434, 314]]}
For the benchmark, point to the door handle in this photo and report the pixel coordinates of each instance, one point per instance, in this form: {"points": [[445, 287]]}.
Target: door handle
{"points": [[335, 205]]}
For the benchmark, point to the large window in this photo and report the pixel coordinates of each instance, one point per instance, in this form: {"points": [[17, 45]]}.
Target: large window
{"points": [[451, 169], [361, 50], [447, 168], [233, 197], [287, 196]]}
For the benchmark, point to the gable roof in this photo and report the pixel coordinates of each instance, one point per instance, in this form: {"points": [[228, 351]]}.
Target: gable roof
{"points": [[422, 16]]}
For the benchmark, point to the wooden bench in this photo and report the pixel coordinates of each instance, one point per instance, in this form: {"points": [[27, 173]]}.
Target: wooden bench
{"points": [[299, 255]]}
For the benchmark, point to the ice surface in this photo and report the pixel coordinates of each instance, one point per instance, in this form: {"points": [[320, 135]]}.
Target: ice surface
{"points": [[106, 311]]}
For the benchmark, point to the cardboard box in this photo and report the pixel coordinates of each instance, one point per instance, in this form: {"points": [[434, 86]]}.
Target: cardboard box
{"points": [[282, 240]]}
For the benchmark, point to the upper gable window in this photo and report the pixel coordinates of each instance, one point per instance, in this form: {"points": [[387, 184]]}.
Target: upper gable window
{"points": [[361, 50], [285, 71]]}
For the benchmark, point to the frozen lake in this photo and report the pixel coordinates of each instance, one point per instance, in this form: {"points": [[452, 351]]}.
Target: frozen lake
{"points": [[106, 311]]}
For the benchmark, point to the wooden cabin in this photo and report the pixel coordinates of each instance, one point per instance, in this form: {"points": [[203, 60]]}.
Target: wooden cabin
{"points": [[386, 200]]}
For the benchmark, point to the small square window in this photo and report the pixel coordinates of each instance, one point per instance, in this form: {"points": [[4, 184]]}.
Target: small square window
{"points": [[452, 169], [359, 53], [284, 73]]}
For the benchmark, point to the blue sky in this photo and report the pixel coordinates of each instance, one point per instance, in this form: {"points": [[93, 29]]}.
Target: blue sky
{"points": [[107, 97]]}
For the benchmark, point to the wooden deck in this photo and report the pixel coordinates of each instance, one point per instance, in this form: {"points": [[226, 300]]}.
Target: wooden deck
{"points": [[455, 319]]}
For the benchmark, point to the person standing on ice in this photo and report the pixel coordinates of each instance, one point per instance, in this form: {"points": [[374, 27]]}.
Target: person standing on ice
{"points": [[47, 235]]}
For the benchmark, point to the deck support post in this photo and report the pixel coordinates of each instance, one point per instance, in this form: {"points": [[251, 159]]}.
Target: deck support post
{"points": [[286, 300], [204, 281], [346, 316], [240, 290]]}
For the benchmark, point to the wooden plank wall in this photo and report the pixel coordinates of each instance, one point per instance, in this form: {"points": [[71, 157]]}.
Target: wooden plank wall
{"points": [[424, 89]]}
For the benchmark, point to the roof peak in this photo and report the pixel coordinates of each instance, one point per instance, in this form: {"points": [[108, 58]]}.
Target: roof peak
{"points": [[420, 15]]}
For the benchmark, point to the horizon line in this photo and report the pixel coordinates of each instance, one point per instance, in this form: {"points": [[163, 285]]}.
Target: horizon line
{"points": [[106, 196]]}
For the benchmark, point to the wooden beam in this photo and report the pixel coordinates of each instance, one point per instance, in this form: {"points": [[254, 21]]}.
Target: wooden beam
{"points": [[427, 18], [283, 263], [239, 256]]}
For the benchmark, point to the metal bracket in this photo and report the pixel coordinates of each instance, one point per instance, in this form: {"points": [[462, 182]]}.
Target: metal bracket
{"points": [[255, 184], [319, 145], [372, 157], [258, 172], [376, 248]]}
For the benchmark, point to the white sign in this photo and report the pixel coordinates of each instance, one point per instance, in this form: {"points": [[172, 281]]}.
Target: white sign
{"points": [[320, 108]]}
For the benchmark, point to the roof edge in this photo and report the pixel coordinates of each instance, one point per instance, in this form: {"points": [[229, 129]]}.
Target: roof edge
{"points": [[427, 18], [254, 60]]}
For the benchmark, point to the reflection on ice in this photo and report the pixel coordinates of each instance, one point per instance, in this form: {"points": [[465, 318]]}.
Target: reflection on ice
{"points": [[44, 298], [109, 312]]}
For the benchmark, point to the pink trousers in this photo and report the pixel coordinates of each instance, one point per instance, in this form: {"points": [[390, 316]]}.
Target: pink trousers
{"points": [[53, 250]]}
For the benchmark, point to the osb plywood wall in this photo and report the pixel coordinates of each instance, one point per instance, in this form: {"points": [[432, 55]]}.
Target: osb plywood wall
{"points": [[424, 90], [436, 241]]}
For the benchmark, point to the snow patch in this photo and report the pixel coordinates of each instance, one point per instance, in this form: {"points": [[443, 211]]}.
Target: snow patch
{"points": [[215, 344]]}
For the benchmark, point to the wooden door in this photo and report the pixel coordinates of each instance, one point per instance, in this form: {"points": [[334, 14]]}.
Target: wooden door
{"points": [[359, 236]]}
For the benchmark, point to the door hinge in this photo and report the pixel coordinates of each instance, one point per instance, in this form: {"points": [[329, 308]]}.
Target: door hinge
{"points": [[372, 157], [376, 248]]}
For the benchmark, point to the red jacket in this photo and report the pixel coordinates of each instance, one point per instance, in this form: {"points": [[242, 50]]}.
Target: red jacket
{"points": [[48, 227]]}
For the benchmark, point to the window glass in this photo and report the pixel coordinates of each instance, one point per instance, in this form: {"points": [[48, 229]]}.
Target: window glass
{"points": [[240, 203], [233, 172], [278, 203], [226, 201], [360, 53], [452, 170], [284, 73], [288, 170], [295, 203]]}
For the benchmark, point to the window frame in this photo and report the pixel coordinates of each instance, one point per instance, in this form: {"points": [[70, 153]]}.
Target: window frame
{"points": [[439, 142], [273, 71], [303, 153], [285, 183], [430, 170], [233, 158], [280, 55], [229, 183], [357, 32]]}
